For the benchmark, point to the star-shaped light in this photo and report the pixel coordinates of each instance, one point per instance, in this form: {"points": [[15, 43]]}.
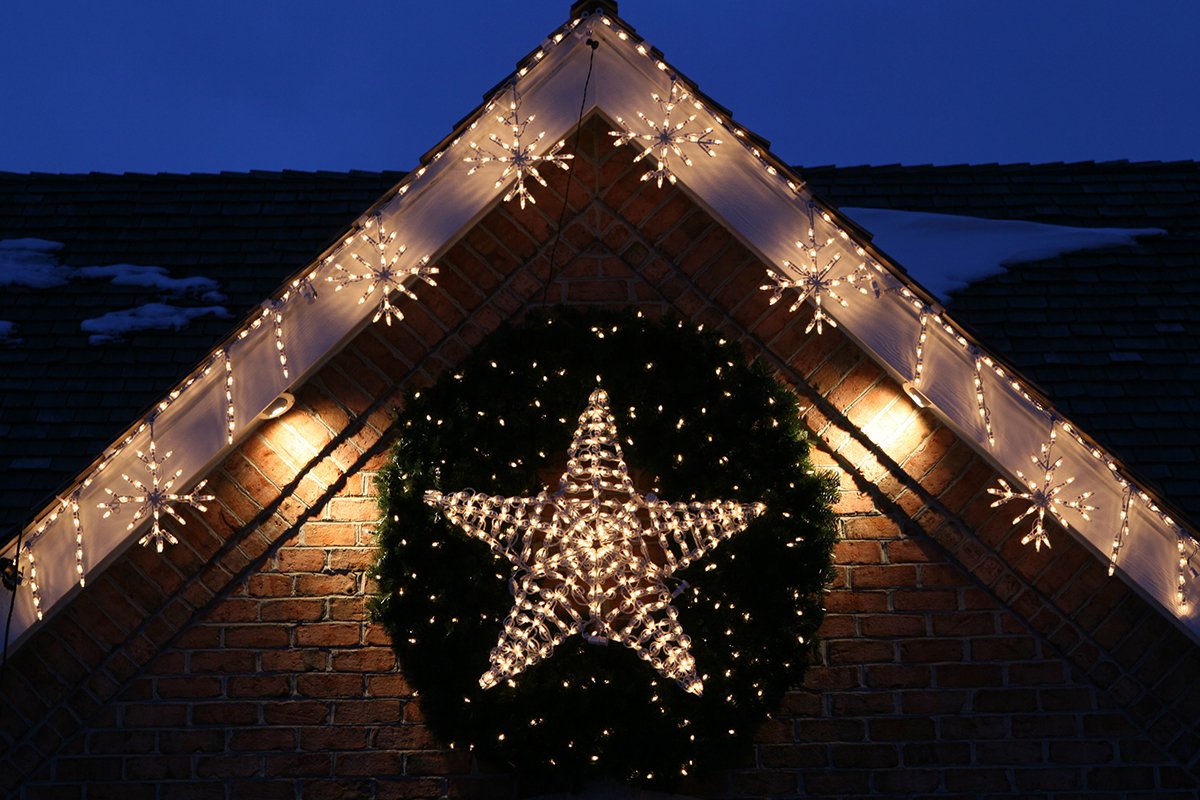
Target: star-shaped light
{"points": [[594, 556], [1043, 498], [819, 275], [667, 138], [517, 157], [155, 499], [385, 274]]}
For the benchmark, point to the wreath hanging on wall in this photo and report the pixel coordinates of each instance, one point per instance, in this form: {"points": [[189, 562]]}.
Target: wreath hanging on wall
{"points": [[695, 423]]}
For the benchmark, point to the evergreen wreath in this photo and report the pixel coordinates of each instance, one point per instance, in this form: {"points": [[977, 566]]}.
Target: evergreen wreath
{"points": [[697, 423]]}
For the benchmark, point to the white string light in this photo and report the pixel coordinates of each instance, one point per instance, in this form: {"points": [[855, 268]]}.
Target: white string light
{"points": [[594, 556], [1042, 497], [518, 158], [155, 499], [1122, 528], [230, 413], [667, 138], [776, 169], [385, 275], [985, 414], [1181, 584], [818, 274], [35, 592]]}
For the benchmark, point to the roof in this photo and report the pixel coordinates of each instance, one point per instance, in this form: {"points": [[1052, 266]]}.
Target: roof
{"points": [[756, 197], [1112, 336], [63, 400]]}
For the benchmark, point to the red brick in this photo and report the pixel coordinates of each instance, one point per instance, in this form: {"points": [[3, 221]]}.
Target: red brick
{"points": [[328, 634]]}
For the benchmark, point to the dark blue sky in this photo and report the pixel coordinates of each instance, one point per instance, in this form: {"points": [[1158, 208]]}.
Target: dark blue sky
{"points": [[206, 85]]}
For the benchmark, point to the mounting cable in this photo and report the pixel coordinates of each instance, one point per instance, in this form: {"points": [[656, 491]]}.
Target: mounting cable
{"points": [[562, 215]]}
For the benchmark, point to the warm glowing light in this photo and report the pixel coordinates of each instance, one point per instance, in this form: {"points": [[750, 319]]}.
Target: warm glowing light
{"points": [[384, 275], [593, 557], [155, 499], [517, 158], [1043, 498], [669, 137], [819, 275]]}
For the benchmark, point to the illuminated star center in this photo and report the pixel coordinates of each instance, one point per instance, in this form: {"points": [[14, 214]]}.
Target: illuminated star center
{"points": [[594, 556]]}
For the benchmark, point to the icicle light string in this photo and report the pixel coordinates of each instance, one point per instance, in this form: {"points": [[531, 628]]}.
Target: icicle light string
{"points": [[1181, 598], [1122, 527], [230, 412], [772, 167], [985, 414]]}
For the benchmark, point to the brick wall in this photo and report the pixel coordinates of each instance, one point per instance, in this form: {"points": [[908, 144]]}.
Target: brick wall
{"points": [[953, 661]]}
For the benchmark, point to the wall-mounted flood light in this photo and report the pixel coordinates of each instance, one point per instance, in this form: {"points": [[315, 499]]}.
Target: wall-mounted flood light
{"points": [[278, 407], [916, 395]]}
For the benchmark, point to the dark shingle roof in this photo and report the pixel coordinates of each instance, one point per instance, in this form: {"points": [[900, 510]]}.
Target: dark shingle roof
{"points": [[1112, 336], [63, 400], [1072, 325]]}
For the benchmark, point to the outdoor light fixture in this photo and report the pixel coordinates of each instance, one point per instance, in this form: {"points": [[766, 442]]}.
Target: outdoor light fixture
{"points": [[916, 395], [278, 407]]}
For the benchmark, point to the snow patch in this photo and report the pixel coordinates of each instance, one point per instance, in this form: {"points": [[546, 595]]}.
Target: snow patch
{"points": [[946, 252], [115, 325], [32, 263], [8, 332], [156, 278]]}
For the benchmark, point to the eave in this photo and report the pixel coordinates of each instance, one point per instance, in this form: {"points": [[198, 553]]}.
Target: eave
{"points": [[751, 192]]}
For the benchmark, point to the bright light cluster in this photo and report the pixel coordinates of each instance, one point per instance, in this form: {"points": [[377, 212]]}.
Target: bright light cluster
{"points": [[667, 138], [594, 556], [518, 158], [384, 275], [819, 274], [1043, 498], [156, 499]]}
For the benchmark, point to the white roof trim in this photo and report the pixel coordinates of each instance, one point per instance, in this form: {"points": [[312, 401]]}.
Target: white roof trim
{"points": [[749, 191]]}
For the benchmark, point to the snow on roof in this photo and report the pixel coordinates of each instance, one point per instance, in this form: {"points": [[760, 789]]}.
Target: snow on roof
{"points": [[155, 278], [115, 325], [32, 263], [946, 252], [7, 332]]}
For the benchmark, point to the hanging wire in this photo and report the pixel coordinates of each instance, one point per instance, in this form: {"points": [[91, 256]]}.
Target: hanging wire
{"points": [[562, 215]]}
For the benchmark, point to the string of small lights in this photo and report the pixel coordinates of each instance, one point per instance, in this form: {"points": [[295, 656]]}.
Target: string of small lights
{"points": [[272, 316], [684, 418]]}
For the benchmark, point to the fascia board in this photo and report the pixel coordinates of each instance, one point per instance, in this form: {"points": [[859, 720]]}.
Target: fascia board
{"points": [[745, 189]]}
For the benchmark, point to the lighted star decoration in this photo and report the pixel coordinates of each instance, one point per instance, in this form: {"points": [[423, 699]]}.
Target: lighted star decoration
{"points": [[819, 272], [1044, 497], [594, 556], [384, 274], [517, 156], [155, 499], [667, 138]]}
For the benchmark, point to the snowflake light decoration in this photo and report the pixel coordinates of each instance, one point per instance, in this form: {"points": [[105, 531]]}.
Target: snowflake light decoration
{"points": [[593, 557], [155, 499], [667, 138], [1043, 498], [819, 274], [384, 275], [517, 157]]}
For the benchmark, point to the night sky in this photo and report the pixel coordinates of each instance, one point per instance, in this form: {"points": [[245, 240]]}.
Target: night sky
{"points": [[209, 85]]}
